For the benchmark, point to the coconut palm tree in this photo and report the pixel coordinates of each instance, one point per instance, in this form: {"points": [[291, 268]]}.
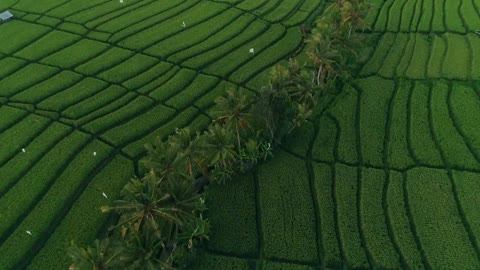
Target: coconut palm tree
{"points": [[232, 110], [103, 255]]}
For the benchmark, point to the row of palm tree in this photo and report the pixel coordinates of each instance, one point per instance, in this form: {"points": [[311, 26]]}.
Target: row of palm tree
{"points": [[161, 214]]}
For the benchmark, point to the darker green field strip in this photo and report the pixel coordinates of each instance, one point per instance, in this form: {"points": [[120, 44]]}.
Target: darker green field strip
{"points": [[305, 12], [347, 197], [189, 95], [19, 200], [288, 218], [457, 57], [48, 44], [26, 77], [225, 67], [373, 120], [103, 107], [114, 56], [427, 189], [397, 153], [157, 82], [132, 29], [347, 127], [81, 218], [326, 145], [193, 16], [193, 35], [19, 135], [134, 15], [18, 166], [10, 117], [145, 78], [400, 223], [240, 237], [211, 261], [325, 190], [95, 10], [227, 33], [136, 107], [420, 133], [54, 205], [97, 101], [437, 57], [183, 119], [467, 191], [128, 69], [85, 88], [20, 34], [374, 222], [10, 65], [454, 150], [163, 90], [256, 30], [142, 124], [77, 54], [282, 11], [464, 108], [47, 88]]}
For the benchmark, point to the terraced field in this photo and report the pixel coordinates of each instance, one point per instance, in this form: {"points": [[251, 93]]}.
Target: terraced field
{"points": [[387, 174], [84, 84]]}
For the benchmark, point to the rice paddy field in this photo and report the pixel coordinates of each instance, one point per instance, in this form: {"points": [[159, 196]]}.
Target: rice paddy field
{"points": [[383, 176]]}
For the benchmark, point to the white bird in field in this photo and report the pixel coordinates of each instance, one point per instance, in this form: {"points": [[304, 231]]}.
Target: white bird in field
{"points": [[121, 1], [183, 24], [23, 150], [94, 154], [104, 195], [252, 51], [28, 232]]}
